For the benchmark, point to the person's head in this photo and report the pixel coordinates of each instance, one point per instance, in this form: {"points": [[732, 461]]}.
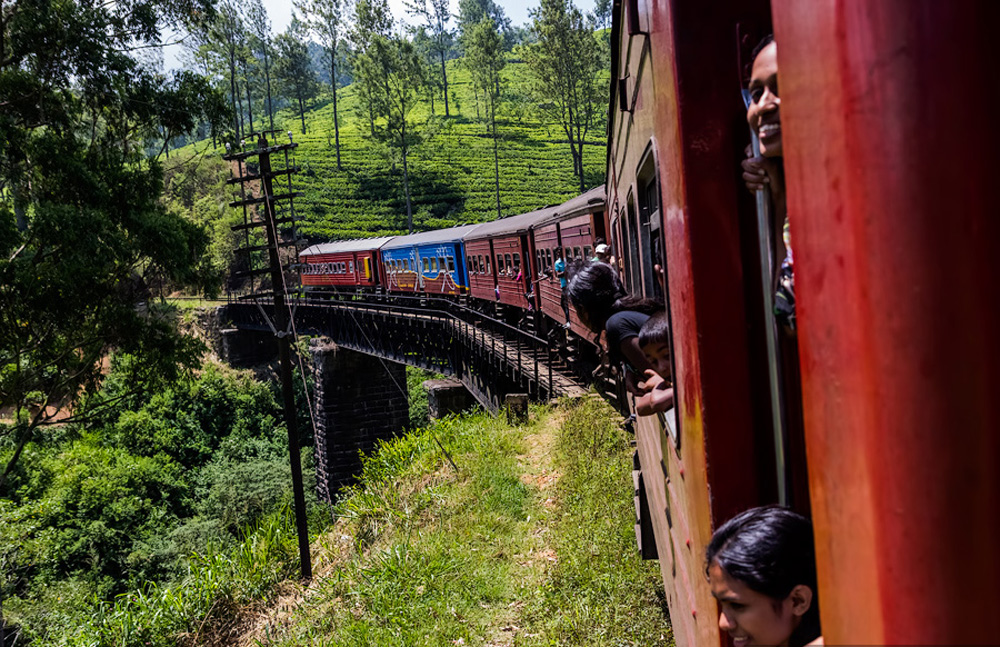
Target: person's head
{"points": [[593, 291], [761, 566], [603, 252], [596, 292], [558, 253], [764, 115], [654, 340]]}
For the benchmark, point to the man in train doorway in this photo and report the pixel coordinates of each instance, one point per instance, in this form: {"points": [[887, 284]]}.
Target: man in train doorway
{"points": [[559, 267]]}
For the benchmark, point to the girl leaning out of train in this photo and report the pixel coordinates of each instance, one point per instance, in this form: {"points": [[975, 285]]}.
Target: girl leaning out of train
{"points": [[603, 306], [657, 386], [767, 170], [761, 566]]}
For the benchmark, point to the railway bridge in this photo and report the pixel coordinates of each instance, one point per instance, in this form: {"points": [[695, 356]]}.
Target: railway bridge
{"points": [[360, 382]]}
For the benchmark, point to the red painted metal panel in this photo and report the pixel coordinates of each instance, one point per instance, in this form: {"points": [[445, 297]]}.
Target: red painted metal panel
{"points": [[892, 157], [337, 270], [512, 291], [481, 283], [684, 74]]}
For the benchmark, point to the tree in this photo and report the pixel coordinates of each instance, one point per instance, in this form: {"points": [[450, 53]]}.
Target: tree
{"points": [[566, 62], [390, 72], [472, 12], [260, 31], [293, 66], [81, 222], [225, 38], [436, 15], [327, 19], [485, 60]]}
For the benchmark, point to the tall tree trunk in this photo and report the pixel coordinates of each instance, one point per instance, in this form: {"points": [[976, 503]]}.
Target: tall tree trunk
{"points": [[406, 183], [333, 86], [267, 81], [496, 155], [249, 102], [579, 153], [232, 94], [302, 113], [444, 77]]}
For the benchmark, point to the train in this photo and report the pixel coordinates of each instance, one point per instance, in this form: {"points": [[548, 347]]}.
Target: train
{"points": [[880, 418], [504, 267]]}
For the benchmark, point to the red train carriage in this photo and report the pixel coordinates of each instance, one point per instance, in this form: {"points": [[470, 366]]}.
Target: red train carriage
{"points": [[343, 263], [508, 243], [572, 228], [890, 158]]}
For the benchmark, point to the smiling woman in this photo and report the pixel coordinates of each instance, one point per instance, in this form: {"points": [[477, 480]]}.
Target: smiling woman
{"points": [[762, 569]]}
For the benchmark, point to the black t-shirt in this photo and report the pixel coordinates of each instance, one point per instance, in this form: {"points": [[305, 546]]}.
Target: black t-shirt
{"points": [[621, 326]]}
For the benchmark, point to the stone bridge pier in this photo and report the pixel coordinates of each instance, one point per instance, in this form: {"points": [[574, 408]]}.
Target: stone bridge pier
{"points": [[358, 400]]}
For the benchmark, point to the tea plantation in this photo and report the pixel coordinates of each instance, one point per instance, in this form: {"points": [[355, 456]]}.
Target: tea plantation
{"points": [[451, 170]]}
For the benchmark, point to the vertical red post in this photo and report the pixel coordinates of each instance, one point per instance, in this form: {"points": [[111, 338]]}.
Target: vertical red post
{"points": [[891, 120]]}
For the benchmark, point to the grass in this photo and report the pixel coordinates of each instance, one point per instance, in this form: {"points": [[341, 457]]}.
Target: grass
{"points": [[451, 172], [529, 543]]}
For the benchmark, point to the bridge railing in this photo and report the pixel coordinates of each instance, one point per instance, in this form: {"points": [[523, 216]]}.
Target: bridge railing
{"points": [[492, 358]]}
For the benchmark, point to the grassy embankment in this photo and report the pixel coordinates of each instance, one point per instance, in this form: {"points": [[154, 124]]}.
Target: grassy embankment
{"points": [[529, 542], [451, 172]]}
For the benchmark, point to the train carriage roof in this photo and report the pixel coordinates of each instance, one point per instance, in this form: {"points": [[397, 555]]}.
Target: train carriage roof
{"points": [[451, 235], [341, 246], [582, 203], [592, 200]]}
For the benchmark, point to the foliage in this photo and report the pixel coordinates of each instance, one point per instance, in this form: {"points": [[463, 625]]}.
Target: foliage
{"points": [[390, 72], [485, 60], [81, 225], [327, 19], [566, 61], [293, 67], [156, 478]]}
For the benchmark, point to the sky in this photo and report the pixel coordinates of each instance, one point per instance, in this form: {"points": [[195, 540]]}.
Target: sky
{"points": [[280, 12]]}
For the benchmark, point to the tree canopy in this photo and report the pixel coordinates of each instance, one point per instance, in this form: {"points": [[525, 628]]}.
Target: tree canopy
{"points": [[81, 225]]}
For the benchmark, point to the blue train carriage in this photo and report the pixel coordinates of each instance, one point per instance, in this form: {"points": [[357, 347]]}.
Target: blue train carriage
{"points": [[430, 262]]}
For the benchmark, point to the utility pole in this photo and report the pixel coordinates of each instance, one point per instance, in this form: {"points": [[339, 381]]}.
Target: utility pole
{"points": [[281, 326]]}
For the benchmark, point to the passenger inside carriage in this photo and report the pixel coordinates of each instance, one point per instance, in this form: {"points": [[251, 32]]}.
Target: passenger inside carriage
{"points": [[767, 169], [761, 565], [604, 307]]}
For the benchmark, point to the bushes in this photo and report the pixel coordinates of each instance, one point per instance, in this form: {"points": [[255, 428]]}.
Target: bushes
{"points": [[125, 502]]}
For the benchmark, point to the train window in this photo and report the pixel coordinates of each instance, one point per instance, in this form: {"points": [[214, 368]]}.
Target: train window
{"points": [[468, 265], [633, 260], [451, 263], [587, 251], [427, 266], [650, 223], [351, 267], [577, 253], [499, 264], [508, 266], [517, 263], [548, 259], [488, 264], [434, 264]]}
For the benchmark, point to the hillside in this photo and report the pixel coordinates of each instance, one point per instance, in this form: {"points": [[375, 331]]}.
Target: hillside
{"points": [[451, 172]]}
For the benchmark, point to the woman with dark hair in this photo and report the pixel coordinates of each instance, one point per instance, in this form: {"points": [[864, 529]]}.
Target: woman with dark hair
{"points": [[761, 565], [603, 306]]}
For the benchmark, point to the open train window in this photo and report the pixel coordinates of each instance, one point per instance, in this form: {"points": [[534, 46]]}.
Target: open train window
{"points": [[451, 263], [351, 267], [633, 259], [442, 263], [507, 263], [488, 264], [587, 252], [577, 253], [651, 241], [650, 223], [517, 263], [427, 266], [548, 259]]}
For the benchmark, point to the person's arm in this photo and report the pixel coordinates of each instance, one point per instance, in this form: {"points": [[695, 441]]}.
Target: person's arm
{"points": [[659, 395], [631, 351]]}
